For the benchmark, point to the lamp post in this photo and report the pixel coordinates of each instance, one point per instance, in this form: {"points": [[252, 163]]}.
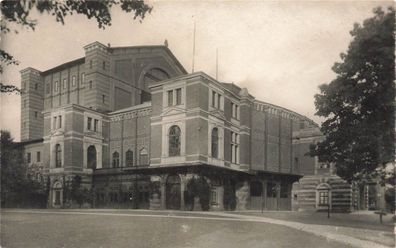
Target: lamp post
{"points": [[136, 188]]}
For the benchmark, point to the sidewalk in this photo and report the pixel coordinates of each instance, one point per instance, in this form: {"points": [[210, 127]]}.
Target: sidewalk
{"points": [[358, 219], [349, 232]]}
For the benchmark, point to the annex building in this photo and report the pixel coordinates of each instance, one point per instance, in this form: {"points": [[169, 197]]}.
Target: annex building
{"points": [[137, 128]]}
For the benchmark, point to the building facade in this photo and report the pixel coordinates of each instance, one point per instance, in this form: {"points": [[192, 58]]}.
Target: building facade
{"points": [[320, 188], [138, 129]]}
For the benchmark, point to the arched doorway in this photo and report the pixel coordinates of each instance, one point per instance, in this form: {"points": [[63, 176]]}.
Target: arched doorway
{"points": [[57, 196], [173, 192], [91, 157]]}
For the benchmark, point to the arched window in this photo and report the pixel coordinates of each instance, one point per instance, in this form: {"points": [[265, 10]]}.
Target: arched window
{"points": [[58, 156], [174, 141], [129, 158], [91, 157], [116, 160], [143, 157], [215, 142]]}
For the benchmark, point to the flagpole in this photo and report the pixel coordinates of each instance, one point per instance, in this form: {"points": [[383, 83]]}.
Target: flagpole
{"points": [[217, 63], [193, 57]]}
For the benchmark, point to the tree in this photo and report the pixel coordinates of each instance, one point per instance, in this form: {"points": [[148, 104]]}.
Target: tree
{"points": [[198, 187], [18, 11], [17, 190], [358, 105]]}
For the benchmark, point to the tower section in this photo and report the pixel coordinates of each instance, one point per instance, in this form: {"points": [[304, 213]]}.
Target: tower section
{"points": [[97, 77], [32, 104]]}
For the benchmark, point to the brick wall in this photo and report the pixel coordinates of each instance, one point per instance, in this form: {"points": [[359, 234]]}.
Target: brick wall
{"points": [[31, 104]]}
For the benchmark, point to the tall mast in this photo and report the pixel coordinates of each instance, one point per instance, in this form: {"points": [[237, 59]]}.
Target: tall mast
{"points": [[193, 57], [217, 63]]}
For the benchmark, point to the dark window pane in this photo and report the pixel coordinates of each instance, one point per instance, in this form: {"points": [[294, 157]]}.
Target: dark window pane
{"points": [[170, 97], [178, 96], [129, 158], [116, 160], [215, 143], [58, 156], [174, 141], [91, 156]]}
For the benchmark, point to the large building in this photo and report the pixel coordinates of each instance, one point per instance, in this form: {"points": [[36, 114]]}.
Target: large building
{"points": [[137, 128]]}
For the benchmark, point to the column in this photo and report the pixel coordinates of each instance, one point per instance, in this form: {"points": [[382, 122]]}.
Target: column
{"points": [[277, 195], [163, 192], [264, 206], [182, 189]]}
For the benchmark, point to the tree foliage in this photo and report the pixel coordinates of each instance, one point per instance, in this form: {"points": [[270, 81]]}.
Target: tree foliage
{"points": [[18, 190], [75, 193], [198, 187], [359, 103], [18, 12]]}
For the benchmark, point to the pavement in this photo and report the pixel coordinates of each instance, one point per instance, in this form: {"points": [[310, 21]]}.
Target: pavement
{"points": [[144, 228], [368, 235]]}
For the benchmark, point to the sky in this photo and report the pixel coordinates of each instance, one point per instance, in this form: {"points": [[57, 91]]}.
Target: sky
{"points": [[281, 51]]}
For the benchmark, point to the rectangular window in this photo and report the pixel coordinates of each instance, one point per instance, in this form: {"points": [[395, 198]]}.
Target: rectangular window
{"points": [[235, 108], [54, 123], [90, 64], [103, 98], [96, 124], [232, 110], [36, 86], [323, 198], [64, 83], [60, 121], [218, 101], [213, 99], [213, 196], [48, 88], [89, 123], [178, 96], [104, 65], [56, 86], [234, 148], [74, 81], [38, 157], [82, 78], [35, 114], [170, 97], [90, 84], [29, 157]]}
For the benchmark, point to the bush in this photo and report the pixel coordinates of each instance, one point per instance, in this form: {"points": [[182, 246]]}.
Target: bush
{"points": [[390, 199], [229, 199], [197, 187]]}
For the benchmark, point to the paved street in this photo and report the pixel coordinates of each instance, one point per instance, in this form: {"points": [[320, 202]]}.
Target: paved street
{"points": [[125, 228]]}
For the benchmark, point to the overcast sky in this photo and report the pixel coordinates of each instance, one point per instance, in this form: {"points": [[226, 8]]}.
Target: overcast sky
{"points": [[281, 51]]}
